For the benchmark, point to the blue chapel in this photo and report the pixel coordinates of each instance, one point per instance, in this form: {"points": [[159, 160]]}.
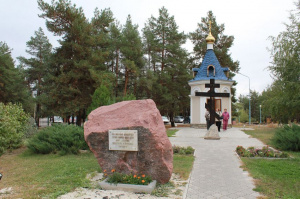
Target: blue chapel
{"points": [[210, 68]]}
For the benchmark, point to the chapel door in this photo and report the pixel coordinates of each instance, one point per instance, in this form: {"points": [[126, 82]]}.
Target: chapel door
{"points": [[217, 103]]}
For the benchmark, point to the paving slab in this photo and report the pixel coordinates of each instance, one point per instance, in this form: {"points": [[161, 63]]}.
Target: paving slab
{"points": [[216, 172]]}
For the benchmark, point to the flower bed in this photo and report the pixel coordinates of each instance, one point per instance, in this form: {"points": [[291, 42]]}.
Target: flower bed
{"points": [[127, 182], [266, 152]]}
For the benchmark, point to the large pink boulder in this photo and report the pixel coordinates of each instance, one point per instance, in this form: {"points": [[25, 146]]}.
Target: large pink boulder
{"points": [[154, 156]]}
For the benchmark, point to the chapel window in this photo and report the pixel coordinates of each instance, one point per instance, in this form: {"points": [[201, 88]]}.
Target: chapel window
{"points": [[211, 71]]}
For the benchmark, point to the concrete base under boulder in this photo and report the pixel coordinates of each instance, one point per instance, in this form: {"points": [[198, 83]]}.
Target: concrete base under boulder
{"points": [[129, 187]]}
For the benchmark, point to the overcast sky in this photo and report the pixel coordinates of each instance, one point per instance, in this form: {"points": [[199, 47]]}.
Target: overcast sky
{"points": [[250, 22]]}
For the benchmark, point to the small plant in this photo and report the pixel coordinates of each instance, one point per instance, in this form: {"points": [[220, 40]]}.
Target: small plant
{"points": [[116, 177], [264, 152], [183, 150], [162, 190]]}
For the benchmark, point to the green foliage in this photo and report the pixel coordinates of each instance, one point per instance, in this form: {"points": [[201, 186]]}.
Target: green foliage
{"points": [[183, 150], [13, 88], [168, 61], [132, 56], [125, 98], [101, 97], [282, 98], [76, 64], [58, 138], [242, 114], [13, 123], [287, 138], [36, 70]]}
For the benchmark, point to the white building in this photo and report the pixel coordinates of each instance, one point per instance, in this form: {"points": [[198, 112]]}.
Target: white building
{"points": [[210, 68]]}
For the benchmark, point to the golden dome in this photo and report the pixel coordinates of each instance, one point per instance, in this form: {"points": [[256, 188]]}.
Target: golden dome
{"points": [[210, 39]]}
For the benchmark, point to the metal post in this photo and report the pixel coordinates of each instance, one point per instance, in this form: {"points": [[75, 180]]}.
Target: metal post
{"points": [[260, 114]]}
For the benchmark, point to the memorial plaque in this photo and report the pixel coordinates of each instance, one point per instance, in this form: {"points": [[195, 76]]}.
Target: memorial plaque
{"points": [[123, 140]]}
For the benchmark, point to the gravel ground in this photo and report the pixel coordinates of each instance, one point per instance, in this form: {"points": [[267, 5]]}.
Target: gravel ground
{"points": [[84, 193]]}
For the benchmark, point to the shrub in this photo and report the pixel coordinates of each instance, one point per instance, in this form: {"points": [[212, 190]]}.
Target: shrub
{"points": [[58, 138], [13, 123], [287, 138], [183, 150], [264, 152]]}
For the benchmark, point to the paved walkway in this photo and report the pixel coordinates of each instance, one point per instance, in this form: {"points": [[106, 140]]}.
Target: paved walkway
{"points": [[216, 172]]}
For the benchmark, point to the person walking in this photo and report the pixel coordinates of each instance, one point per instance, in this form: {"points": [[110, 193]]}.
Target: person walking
{"points": [[207, 117], [218, 121], [225, 116]]}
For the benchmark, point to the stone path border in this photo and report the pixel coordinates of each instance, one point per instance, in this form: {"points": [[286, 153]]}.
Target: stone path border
{"points": [[216, 172]]}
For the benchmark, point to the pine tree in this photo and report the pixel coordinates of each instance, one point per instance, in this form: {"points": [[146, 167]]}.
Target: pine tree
{"points": [[221, 46], [115, 55], [36, 67], [78, 61], [13, 87], [169, 63], [132, 56]]}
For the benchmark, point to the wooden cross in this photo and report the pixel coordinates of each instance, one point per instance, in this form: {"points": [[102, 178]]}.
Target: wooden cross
{"points": [[212, 94]]}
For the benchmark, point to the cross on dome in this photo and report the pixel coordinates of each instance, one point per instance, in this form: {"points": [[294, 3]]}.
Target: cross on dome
{"points": [[210, 39]]}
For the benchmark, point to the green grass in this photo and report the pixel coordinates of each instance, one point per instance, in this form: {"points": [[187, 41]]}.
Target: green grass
{"points": [[51, 175], [275, 178], [182, 165], [263, 134], [171, 132], [37, 176]]}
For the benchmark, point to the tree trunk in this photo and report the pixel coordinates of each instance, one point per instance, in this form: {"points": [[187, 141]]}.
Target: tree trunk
{"points": [[68, 119], [172, 119], [163, 53], [126, 82], [117, 70], [38, 106], [37, 113], [78, 121]]}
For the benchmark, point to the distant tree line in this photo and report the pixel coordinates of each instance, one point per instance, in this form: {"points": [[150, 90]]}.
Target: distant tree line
{"points": [[100, 61], [281, 100]]}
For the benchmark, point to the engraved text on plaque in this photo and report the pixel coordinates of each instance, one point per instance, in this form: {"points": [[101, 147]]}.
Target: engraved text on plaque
{"points": [[123, 140]]}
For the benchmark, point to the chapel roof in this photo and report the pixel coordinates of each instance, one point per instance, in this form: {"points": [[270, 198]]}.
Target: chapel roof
{"points": [[210, 67], [210, 61]]}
